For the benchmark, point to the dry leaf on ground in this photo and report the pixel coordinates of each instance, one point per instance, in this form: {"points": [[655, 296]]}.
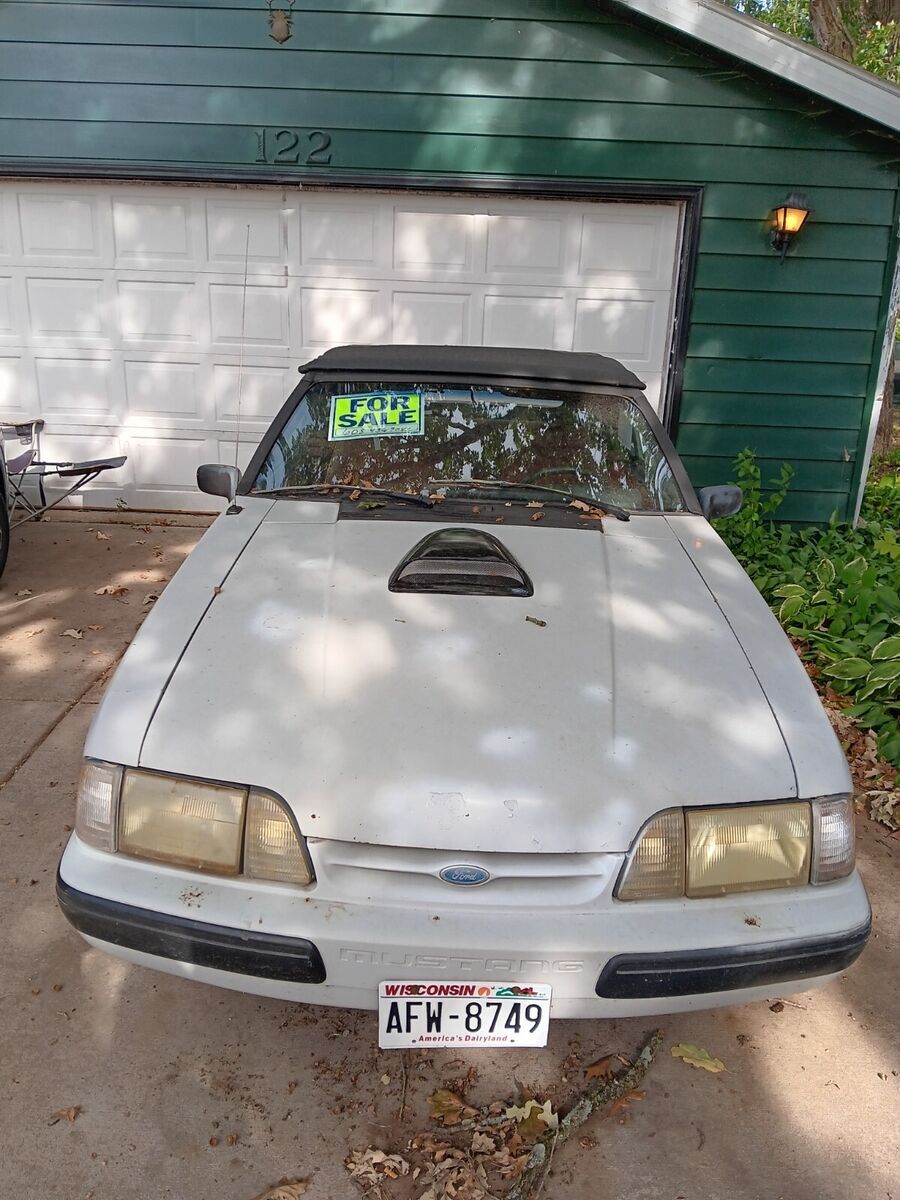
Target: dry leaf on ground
{"points": [[600, 1068], [24, 592], [696, 1056], [446, 1106], [34, 632], [620, 1106], [533, 1119], [75, 634], [287, 1189], [150, 598], [373, 1166], [112, 589], [101, 537], [69, 1114]]}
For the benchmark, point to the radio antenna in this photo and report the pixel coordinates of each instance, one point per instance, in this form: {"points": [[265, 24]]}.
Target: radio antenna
{"points": [[237, 436]]}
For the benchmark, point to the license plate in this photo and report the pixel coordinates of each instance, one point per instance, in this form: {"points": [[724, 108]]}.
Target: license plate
{"points": [[462, 1014]]}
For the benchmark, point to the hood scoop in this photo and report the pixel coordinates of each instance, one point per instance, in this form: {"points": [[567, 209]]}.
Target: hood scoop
{"points": [[460, 562]]}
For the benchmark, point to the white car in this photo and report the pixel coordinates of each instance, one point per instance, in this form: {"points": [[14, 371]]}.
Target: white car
{"points": [[463, 710]]}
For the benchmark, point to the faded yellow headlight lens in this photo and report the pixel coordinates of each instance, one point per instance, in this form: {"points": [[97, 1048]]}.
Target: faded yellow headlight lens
{"points": [[181, 821], [272, 849], [747, 848], [656, 867]]}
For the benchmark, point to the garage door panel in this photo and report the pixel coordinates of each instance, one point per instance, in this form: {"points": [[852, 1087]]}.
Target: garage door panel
{"points": [[68, 309], [153, 232], [65, 227], [334, 316], [521, 321], [75, 389], [346, 236], [264, 317], [226, 234], [424, 318], [157, 311], [630, 251], [122, 307], [262, 393], [163, 391], [434, 241]]}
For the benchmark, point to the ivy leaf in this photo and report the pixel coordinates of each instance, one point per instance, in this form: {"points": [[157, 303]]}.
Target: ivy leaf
{"points": [[696, 1056]]}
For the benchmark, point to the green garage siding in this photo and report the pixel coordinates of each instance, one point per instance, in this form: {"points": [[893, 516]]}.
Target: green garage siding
{"points": [[779, 356]]}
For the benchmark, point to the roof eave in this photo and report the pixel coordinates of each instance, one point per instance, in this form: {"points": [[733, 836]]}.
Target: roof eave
{"points": [[770, 50]]}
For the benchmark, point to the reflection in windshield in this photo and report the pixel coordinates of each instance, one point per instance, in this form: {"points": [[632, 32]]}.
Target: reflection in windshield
{"points": [[592, 445]]}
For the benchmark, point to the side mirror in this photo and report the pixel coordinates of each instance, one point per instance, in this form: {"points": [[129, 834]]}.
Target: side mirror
{"points": [[218, 480], [723, 500]]}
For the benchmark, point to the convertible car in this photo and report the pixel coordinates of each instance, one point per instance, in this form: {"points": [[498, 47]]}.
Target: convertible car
{"points": [[463, 711]]}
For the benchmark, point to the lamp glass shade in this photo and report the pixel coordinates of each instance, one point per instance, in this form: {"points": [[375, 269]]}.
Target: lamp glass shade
{"points": [[789, 219]]}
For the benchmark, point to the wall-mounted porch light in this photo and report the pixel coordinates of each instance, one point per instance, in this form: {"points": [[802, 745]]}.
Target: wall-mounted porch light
{"points": [[788, 219]]}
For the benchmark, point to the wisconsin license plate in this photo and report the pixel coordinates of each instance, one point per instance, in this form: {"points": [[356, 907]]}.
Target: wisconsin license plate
{"points": [[462, 1014]]}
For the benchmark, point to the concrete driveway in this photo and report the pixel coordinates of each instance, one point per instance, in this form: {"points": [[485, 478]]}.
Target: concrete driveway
{"points": [[202, 1094]]}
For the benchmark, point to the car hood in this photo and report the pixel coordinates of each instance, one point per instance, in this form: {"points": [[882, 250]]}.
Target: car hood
{"points": [[452, 721]]}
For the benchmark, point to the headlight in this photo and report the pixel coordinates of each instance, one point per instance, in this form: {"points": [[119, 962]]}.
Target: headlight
{"points": [[200, 824], [698, 852], [197, 825]]}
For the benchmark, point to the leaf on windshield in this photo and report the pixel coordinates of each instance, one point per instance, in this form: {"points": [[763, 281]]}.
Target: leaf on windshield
{"points": [[355, 494], [371, 504], [535, 504], [538, 516], [589, 510]]}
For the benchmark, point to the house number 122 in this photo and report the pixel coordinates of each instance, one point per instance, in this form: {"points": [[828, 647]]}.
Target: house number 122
{"points": [[293, 146]]}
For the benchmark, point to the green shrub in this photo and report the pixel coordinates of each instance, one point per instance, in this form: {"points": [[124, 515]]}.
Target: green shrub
{"points": [[836, 589]]}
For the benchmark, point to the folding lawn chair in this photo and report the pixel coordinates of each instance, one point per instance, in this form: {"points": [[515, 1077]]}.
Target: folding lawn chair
{"points": [[27, 467]]}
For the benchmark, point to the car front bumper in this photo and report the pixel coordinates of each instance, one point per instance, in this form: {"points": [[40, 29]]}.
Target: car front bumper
{"points": [[632, 959]]}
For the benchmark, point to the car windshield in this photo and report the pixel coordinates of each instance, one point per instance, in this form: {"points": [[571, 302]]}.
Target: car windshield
{"points": [[406, 436]]}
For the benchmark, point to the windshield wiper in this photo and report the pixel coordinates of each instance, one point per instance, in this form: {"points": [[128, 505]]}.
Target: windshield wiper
{"points": [[323, 489], [614, 510]]}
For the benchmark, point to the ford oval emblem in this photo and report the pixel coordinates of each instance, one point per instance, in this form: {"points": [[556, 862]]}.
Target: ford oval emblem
{"points": [[465, 875]]}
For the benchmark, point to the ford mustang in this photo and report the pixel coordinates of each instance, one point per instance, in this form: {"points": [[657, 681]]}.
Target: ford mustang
{"points": [[462, 710]]}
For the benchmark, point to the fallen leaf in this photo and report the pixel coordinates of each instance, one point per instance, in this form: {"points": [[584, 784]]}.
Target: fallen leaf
{"points": [[101, 537], [372, 1166], [371, 504], [696, 1056], [446, 1106], [538, 516], [535, 504], [482, 1144], [777, 1007], [231, 1140], [385, 1079], [69, 1114], [112, 589], [76, 634], [621, 1104], [214, 1141], [24, 592], [536, 621], [286, 1189], [34, 632], [600, 1068], [355, 494], [150, 598], [95, 627], [533, 1119], [476, 510]]}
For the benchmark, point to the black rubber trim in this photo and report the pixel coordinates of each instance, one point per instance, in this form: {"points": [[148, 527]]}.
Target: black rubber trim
{"points": [[696, 972], [267, 956]]}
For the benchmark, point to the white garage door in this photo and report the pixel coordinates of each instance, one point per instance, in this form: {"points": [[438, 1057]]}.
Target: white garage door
{"points": [[120, 305]]}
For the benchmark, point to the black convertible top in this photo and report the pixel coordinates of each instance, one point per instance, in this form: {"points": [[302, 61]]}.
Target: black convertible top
{"points": [[560, 366]]}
